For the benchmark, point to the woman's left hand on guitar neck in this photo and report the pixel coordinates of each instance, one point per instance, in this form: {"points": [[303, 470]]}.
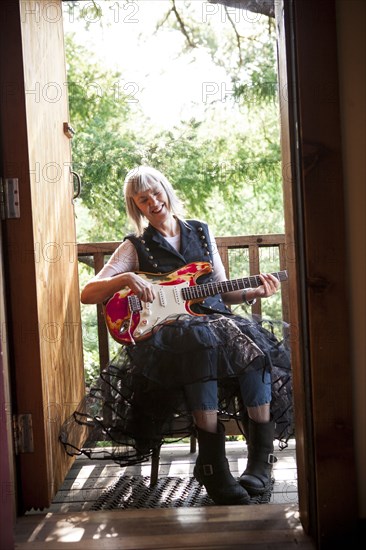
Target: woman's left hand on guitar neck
{"points": [[269, 286]]}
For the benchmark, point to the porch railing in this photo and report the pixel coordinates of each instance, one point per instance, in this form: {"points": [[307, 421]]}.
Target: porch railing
{"points": [[249, 252]]}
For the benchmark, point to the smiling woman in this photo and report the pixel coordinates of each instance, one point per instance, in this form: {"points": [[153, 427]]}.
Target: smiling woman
{"points": [[153, 205], [151, 196], [193, 361]]}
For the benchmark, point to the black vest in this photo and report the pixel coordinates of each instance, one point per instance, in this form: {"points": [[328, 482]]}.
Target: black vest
{"points": [[156, 255]]}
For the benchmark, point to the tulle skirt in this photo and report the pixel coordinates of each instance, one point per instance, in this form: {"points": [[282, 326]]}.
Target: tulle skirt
{"points": [[138, 402]]}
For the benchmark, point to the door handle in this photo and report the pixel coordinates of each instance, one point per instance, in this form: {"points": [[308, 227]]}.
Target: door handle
{"points": [[78, 186]]}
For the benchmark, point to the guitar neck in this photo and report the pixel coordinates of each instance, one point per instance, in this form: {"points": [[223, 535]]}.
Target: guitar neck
{"points": [[211, 289]]}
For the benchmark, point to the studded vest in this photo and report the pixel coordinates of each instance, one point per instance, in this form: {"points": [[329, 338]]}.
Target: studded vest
{"points": [[156, 255]]}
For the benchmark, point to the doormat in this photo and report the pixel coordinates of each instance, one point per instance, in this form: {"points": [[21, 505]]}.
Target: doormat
{"points": [[169, 492]]}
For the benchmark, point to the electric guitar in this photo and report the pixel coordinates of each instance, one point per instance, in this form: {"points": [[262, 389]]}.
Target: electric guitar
{"points": [[128, 319]]}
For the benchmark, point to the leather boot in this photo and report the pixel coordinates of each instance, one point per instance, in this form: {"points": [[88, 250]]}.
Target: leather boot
{"points": [[256, 478], [212, 469]]}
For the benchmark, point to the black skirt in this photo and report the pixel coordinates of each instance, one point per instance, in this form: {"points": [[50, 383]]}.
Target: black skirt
{"points": [[138, 402]]}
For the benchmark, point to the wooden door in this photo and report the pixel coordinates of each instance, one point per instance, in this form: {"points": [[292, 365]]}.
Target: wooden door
{"points": [[40, 246]]}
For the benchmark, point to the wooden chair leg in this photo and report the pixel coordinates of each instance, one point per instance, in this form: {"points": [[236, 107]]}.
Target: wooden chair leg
{"points": [[155, 459]]}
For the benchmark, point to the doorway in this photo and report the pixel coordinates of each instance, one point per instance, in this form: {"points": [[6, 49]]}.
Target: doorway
{"points": [[321, 470]]}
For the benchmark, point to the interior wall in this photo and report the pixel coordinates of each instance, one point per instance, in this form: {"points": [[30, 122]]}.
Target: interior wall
{"points": [[351, 25]]}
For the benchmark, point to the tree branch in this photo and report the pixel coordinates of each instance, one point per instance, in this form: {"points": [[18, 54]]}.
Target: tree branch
{"points": [[159, 25], [238, 37], [87, 260], [182, 25]]}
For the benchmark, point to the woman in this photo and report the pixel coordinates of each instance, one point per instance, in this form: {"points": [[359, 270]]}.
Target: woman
{"points": [[188, 362]]}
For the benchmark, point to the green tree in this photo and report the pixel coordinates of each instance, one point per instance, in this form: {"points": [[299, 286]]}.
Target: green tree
{"points": [[228, 159], [103, 147]]}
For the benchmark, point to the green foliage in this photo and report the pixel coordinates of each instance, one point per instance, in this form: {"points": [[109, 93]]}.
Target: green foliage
{"points": [[228, 160], [224, 164], [103, 148]]}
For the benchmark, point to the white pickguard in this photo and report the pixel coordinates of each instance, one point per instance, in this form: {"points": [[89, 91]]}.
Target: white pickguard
{"points": [[168, 303]]}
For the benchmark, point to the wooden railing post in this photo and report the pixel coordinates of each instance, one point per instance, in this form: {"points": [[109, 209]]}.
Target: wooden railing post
{"points": [[104, 356]]}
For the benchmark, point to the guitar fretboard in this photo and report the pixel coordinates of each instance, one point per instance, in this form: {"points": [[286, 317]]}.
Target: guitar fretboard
{"points": [[212, 288]]}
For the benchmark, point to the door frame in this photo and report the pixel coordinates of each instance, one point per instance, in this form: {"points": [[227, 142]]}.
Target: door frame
{"points": [[315, 223]]}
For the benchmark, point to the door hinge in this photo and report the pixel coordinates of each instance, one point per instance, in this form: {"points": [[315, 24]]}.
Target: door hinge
{"points": [[23, 433], [9, 191]]}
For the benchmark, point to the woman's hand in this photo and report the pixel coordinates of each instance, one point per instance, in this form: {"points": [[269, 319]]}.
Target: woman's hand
{"points": [[140, 286], [100, 289], [270, 285]]}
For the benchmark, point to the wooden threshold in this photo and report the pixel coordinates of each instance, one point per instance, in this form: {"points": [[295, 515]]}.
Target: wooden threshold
{"points": [[274, 526]]}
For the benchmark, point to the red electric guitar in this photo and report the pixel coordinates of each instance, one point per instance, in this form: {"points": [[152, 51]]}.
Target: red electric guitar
{"points": [[129, 319]]}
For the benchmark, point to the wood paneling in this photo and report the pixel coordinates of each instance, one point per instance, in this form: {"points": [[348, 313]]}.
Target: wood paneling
{"points": [[42, 257], [53, 223]]}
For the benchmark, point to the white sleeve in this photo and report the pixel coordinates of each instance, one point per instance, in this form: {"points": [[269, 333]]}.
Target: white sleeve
{"points": [[122, 260], [219, 273]]}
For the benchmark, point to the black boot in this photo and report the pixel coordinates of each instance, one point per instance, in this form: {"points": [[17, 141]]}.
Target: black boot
{"points": [[256, 478], [212, 469]]}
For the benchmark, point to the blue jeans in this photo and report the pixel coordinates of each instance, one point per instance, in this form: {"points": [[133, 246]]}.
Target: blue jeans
{"points": [[255, 389]]}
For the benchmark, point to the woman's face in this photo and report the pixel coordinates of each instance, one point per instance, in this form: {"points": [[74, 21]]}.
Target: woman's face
{"points": [[153, 204]]}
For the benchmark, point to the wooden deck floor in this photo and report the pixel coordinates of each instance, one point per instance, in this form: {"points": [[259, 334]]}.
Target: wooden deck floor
{"points": [[69, 523], [88, 479]]}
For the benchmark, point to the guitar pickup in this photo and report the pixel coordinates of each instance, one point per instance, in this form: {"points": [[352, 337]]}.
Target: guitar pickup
{"points": [[177, 296], [162, 297]]}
